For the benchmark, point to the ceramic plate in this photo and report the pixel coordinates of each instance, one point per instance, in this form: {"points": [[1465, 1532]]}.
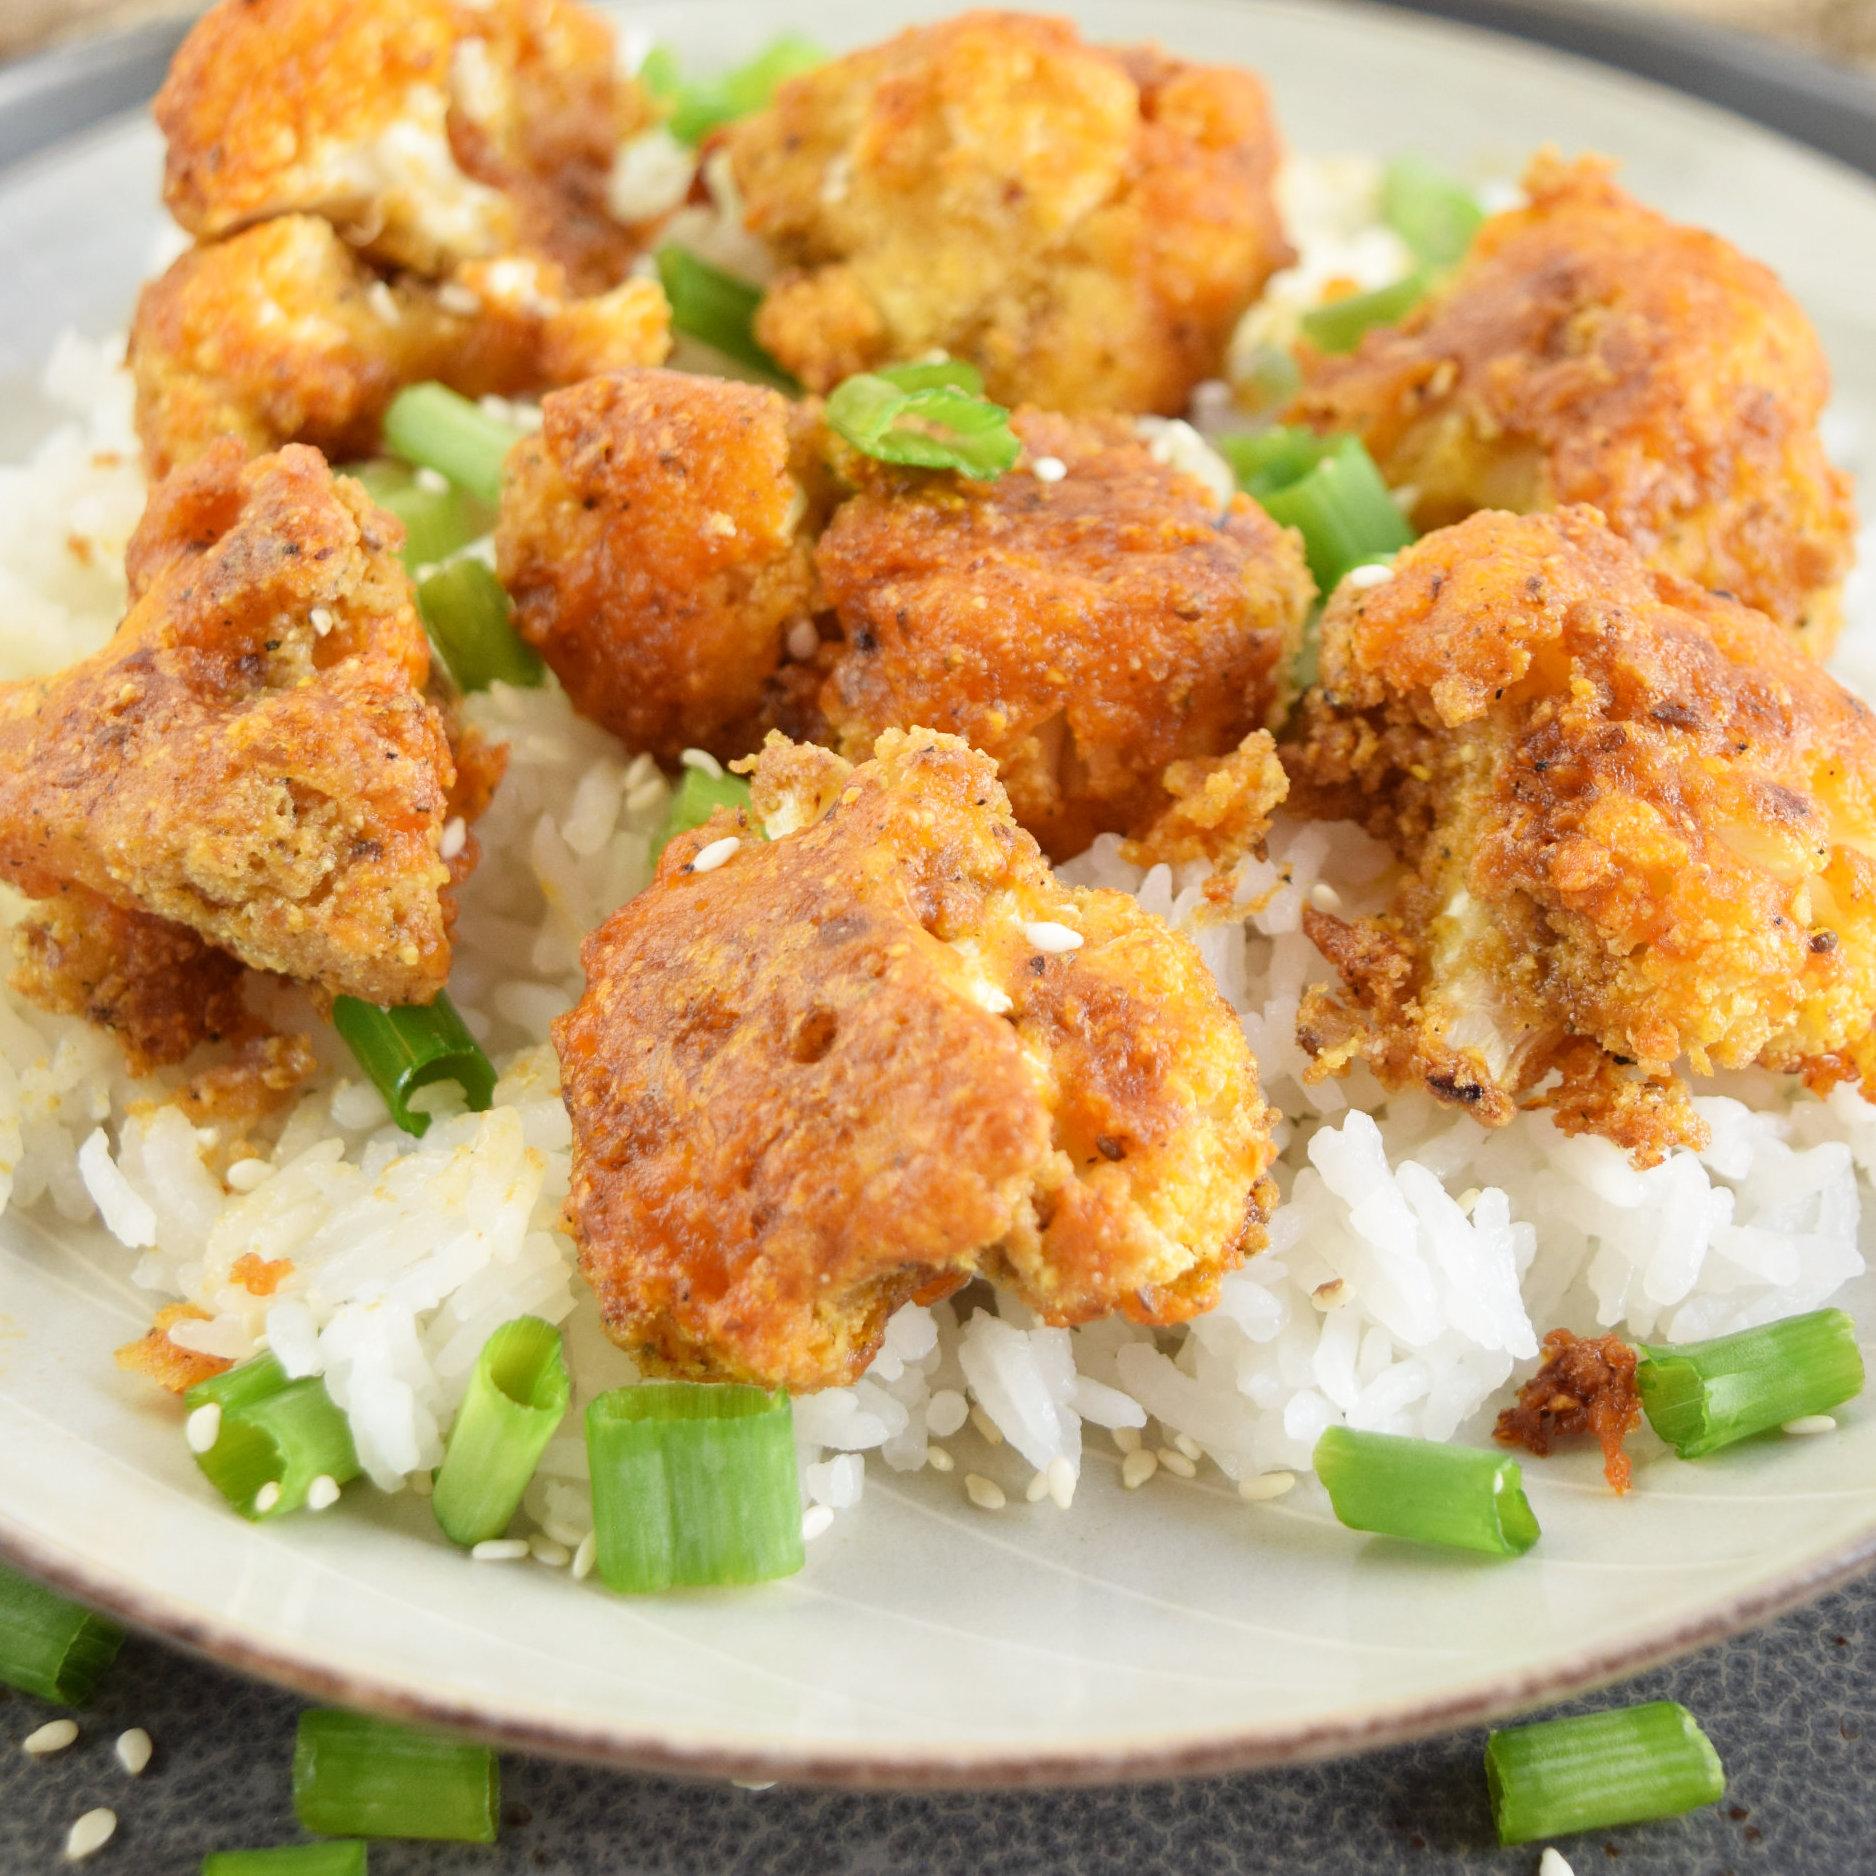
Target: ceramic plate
{"points": [[1173, 1629]]}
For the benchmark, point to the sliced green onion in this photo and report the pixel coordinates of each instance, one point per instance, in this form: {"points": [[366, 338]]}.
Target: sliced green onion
{"points": [[1268, 378], [693, 1485], [1700, 1396], [437, 522], [699, 108], [269, 1450], [1431, 210], [938, 426], [54, 1649], [1338, 325], [292, 1859], [517, 1396], [1268, 460], [1429, 1493], [471, 623], [359, 1777], [716, 309], [437, 428], [697, 796], [935, 374], [1339, 502], [1627, 1767], [238, 1387], [407, 1048]]}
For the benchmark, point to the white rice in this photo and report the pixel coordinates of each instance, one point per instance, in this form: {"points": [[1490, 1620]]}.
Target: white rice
{"points": [[1414, 1261]]}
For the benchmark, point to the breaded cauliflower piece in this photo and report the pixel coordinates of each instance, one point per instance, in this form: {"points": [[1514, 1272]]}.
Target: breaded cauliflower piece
{"points": [[1640, 823], [1086, 632], [252, 756], [1589, 350], [1084, 223], [882, 1051], [282, 334], [651, 539], [428, 132]]}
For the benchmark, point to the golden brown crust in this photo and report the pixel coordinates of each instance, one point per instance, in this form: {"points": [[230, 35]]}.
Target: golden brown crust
{"points": [[252, 755], [169, 1365], [1218, 808], [1589, 350], [1086, 224], [834, 1073], [1586, 1386], [1637, 820], [239, 1096]]}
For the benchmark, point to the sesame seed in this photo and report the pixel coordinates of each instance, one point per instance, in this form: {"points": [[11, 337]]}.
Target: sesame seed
{"points": [[383, 302], [1261, 1487], [321, 620], [562, 1533], [52, 1737], [1189, 1446], [803, 640], [1048, 468], [1811, 1423], [1037, 1489], [938, 1459], [203, 1427], [267, 1497], [984, 1493], [133, 1750], [1137, 1468], [1177, 1463], [246, 1174], [1127, 1439], [456, 298], [1373, 574], [323, 1493], [455, 837], [1554, 1863], [1046, 935], [987, 1427], [1062, 1480], [701, 760], [713, 856], [432, 481], [753, 1784], [499, 1550], [545, 1550], [586, 1556], [90, 1834], [1324, 897], [991, 1000], [816, 1521]]}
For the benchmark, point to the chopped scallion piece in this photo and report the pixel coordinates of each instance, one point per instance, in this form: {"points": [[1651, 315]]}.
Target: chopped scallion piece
{"points": [[1627, 1767], [359, 1777], [697, 796], [1330, 490], [405, 1049], [51, 1648], [437, 428], [437, 522], [935, 374], [471, 623], [697, 109], [717, 310], [1429, 1493], [237, 1387], [1431, 210], [1700, 1396], [693, 1485], [292, 1859], [517, 1396], [931, 425], [1268, 460], [269, 1449], [1338, 325]]}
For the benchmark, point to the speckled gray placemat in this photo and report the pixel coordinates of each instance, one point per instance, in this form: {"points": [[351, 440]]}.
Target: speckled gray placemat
{"points": [[1792, 1710]]}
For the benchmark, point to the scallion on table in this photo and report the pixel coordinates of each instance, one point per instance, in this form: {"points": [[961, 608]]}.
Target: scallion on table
{"points": [[717, 310], [1700, 1396], [1339, 325], [1431, 210], [1329, 490], [408, 1048], [437, 428], [1462, 1497], [269, 1449], [49, 1647], [929, 416], [517, 1396], [290, 1859], [1631, 1766], [471, 624], [354, 1776], [693, 1486], [697, 796], [701, 107], [437, 522]]}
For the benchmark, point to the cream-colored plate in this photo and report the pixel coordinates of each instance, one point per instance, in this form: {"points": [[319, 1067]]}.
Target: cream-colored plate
{"points": [[926, 1641]]}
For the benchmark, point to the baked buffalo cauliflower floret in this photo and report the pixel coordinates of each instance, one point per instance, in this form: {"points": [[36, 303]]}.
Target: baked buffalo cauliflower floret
{"points": [[252, 756], [1639, 824], [1588, 350], [885, 1050], [1085, 223]]}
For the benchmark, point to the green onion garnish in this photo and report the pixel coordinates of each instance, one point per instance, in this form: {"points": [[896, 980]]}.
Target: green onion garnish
{"points": [[359, 1777], [471, 623], [292, 1859], [697, 796], [1700, 1396], [1431, 210], [927, 416], [1268, 460], [437, 428], [717, 310], [407, 1048], [699, 108], [1627, 1767], [237, 1387], [693, 1485], [268, 1450], [437, 522], [1329, 489], [1338, 325], [1429, 1493], [49, 1647], [517, 1396]]}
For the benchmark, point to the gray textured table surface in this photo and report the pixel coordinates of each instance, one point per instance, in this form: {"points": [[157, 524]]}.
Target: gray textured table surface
{"points": [[1792, 1710]]}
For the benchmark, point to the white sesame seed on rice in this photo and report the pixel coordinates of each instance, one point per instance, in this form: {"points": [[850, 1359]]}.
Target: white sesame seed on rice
{"points": [[499, 1550], [585, 1557], [815, 1522], [939, 1459], [702, 761], [984, 1493], [1138, 1467], [1265, 1486], [545, 1550], [1172, 1460], [1811, 1424]]}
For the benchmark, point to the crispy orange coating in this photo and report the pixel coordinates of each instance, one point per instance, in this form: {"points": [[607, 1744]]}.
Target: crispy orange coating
{"points": [[650, 540], [1589, 350], [167, 1363], [838, 1071], [282, 334], [1084, 223], [252, 755], [428, 132], [1086, 632], [1641, 824]]}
